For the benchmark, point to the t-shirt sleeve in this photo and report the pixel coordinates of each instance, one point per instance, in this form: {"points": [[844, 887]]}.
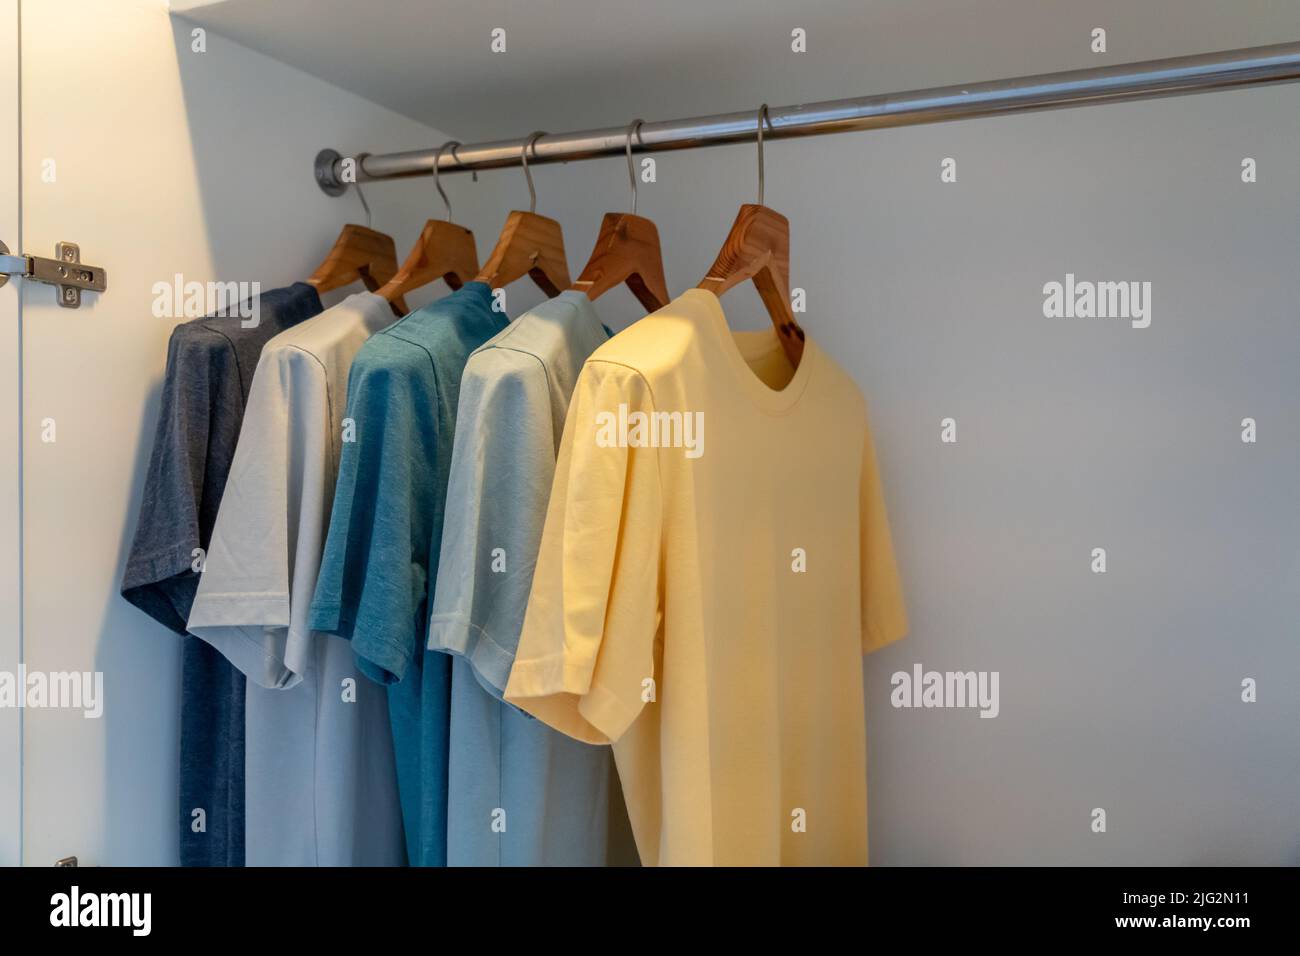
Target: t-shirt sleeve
{"points": [[501, 471], [594, 611], [884, 615], [373, 581], [199, 413], [269, 527]]}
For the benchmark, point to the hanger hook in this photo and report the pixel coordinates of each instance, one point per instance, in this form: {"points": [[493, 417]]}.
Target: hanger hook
{"points": [[473, 173], [633, 129], [360, 158], [762, 118], [530, 143], [436, 183]]}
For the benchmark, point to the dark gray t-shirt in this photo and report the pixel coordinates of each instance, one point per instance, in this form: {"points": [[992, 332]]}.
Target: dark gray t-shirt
{"points": [[210, 364]]}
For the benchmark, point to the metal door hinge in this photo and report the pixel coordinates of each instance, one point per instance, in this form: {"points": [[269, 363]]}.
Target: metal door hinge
{"points": [[65, 270]]}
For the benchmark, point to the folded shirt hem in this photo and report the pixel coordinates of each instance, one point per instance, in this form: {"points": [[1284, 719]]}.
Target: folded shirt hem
{"points": [[157, 566], [458, 634], [236, 624], [884, 632], [562, 695]]}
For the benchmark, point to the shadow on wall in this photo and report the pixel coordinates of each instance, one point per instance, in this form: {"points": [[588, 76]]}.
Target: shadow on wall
{"points": [[126, 636]]}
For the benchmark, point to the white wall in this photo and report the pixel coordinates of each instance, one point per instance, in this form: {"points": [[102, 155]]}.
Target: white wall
{"points": [[1119, 691], [174, 162]]}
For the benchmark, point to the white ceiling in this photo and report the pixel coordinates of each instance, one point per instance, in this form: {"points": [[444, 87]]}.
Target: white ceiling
{"points": [[577, 64]]}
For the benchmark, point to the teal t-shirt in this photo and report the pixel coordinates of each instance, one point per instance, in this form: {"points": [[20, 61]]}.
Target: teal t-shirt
{"points": [[381, 554]]}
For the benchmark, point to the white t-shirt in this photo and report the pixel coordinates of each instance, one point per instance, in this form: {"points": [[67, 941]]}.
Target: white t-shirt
{"points": [[321, 784]]}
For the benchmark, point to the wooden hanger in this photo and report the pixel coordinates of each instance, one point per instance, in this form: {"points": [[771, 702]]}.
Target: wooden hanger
{"points": [[758, 248], [627, 250], [359, 253], [529, 245], [444, 251]]}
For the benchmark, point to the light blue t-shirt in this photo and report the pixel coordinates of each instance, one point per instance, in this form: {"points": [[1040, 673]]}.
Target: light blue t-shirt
{"points": [[381, 555], [519, 793]]}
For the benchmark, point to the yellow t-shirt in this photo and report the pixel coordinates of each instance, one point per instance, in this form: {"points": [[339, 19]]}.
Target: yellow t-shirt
{"points": [[715, 561]]}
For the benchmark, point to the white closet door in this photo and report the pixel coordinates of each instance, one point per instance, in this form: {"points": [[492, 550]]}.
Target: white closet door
{"points": [[104, 175], [10, 505]]}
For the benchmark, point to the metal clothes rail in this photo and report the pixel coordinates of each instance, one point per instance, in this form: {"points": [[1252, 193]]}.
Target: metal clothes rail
{"points": [[1200, 73]]}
